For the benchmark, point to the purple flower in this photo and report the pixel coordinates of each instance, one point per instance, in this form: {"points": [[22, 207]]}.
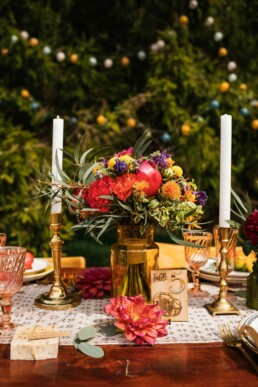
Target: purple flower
{"points": [[161, 159], [120, 166], [201, 197]]}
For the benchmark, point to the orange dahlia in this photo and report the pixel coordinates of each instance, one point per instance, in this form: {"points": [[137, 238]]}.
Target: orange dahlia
{"points": [[123, 186]]}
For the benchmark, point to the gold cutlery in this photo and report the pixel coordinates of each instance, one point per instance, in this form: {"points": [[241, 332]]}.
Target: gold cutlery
{"points": [[232, 341]]}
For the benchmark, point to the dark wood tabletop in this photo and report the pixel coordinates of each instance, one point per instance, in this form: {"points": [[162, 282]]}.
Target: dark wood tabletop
{"points": [[161, 365]]}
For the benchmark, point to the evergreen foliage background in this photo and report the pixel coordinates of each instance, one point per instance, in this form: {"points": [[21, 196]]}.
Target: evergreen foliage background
{"points": [[170, 88]]}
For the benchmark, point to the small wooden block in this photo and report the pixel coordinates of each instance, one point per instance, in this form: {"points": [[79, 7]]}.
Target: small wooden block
{"points": [[23, 348], [169, 289]]}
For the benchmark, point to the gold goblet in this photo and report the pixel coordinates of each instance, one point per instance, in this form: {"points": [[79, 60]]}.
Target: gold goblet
{"points": [[12, 260], [196, 257]]}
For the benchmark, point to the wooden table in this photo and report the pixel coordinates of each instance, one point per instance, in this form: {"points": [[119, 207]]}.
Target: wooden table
{"points": [[158, 366]]}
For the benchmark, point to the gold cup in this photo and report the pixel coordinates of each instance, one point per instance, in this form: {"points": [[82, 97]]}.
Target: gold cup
{"points": [[58, 298], [222, 305]]}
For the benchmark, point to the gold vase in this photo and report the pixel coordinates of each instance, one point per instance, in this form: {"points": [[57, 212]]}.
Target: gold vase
{"points": [[133, 257]]}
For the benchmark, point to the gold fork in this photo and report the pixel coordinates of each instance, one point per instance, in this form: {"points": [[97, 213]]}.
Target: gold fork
{"points": [[232, 341]]}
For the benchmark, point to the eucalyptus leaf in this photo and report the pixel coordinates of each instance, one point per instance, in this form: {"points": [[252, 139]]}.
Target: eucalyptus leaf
{"points": [[109, 330], [86, 333], [91, 350], [76, 343]]}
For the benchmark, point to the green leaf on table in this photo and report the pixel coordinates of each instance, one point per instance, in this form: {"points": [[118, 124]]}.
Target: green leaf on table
{"points": [[76, 343], [109, 330], [86, 333], [91, 350]]}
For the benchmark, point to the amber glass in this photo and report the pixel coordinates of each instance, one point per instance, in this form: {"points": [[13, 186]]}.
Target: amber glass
{"points": [[196, 257], [2, 239], [133, 257], [11, 277]]}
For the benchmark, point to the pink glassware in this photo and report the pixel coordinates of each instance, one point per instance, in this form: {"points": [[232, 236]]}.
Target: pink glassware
{"points": [[2, 239], [11, 278]]}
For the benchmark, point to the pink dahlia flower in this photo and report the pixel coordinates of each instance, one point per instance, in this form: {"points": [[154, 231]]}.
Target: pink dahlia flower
{"points": [[251, 228], [141, 323], [94, 282]]}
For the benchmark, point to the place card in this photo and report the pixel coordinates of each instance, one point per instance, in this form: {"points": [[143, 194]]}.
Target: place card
{"points": [[169, 289]]}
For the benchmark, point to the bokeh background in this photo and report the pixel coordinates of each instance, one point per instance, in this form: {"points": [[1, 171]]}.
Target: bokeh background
{"points": [[111, 70]]}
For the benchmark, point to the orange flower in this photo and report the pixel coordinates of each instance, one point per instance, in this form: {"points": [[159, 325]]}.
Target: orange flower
{"points": [[123, 186], [171, 190], [189, 196], [140, 186]]}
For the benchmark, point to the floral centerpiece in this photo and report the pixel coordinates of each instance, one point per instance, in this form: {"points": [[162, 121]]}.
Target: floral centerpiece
{"points": [[128, 188]]}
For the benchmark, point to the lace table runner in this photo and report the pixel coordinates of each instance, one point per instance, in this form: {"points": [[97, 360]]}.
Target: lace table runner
{"points": [[200, 328]]}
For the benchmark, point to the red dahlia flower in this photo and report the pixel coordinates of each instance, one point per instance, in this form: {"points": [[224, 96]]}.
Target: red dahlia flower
{"points": [[97, 189], [94, 282], [251, 228], [141, 323], [152, 176], [123, 186]]}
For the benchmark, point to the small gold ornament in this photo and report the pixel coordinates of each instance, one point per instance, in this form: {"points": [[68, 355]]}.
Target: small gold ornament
{"points": [[25, 93], [131, 122], [33, 42], [125, 61], [101, 120], [4, 51], [255, 124], [185, 130], [223, 52], [243, 86], [224, 87], [184, 20], [74, 58]]}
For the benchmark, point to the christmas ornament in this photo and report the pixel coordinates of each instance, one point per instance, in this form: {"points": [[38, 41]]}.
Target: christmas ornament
{"points": [[125, 61], [141, 55], [165, 137], [4, 51], [223, 52], [215, 104], [25, 35], [244, 111], [73, 120], [25, 93], [224, 87], [231, 66], [33, 42], [218, 36], [185, 130], [60, 56], [131, 122], [232, 77], [74, 58], [253, 102], [183, 20], [209, 21], [101, 120], [93, 61], [193, 4], [46, 50], [255, 124], [161, 44], [14, 38], [108, 63], [243, 86], [35, 106], [154, 47]]}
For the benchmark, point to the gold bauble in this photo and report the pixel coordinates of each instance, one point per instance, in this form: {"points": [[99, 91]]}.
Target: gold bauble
{"points": [[125, 61], [184, 19], [74, 58], [255, 124], [223, 52], [243, 86], [131, 122], [25, 93], [101, 120], [33, 42], [185, 130], [4, 51], [224, 87]]}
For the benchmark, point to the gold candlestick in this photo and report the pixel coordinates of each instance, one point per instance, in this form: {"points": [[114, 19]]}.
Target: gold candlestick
{"points": [[222, 305], [58, 297]]}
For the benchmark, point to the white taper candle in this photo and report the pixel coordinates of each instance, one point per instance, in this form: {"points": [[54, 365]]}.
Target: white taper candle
{"points": [[57, 146]]}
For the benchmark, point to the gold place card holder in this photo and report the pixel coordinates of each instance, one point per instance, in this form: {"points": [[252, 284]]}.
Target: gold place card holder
{"points": [[58, 298]]}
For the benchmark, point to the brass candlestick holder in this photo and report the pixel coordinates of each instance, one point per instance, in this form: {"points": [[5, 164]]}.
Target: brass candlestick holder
{"points": [[222, 305], [58, 298]]}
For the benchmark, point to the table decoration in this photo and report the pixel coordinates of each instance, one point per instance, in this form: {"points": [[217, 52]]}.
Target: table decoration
{"points": [[82, 345], [59, 297], [94, 282], [129, 189], [11, 274], [248, 331]]}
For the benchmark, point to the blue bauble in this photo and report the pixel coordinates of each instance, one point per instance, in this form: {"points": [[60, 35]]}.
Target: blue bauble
{"points": [[244, 111], [73, 120], [165, 137], [35, 106], [215, 104]]}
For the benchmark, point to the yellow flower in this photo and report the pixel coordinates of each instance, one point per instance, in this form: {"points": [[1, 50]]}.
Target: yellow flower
{"points": [[170, 162], [177, 170], [112, 163], [126, 159], [140, 186], [171, 190], [189, 196]]}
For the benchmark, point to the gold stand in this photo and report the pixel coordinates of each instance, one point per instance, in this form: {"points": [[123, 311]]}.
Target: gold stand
{"points": [[222, 305], [58, 298]]}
